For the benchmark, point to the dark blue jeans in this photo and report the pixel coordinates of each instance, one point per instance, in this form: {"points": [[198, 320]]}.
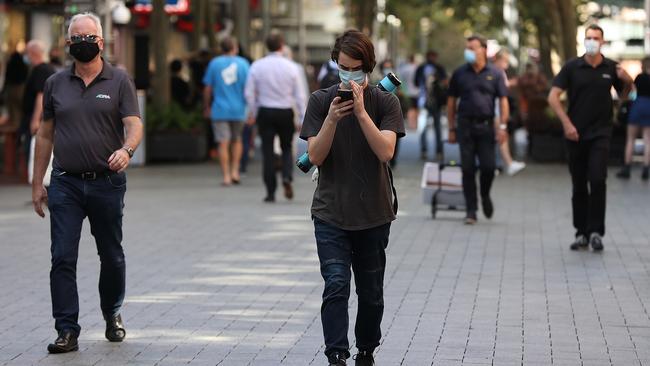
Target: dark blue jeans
{"points": [[364, 251], [70, 200], [435, 113], [476, 140]]}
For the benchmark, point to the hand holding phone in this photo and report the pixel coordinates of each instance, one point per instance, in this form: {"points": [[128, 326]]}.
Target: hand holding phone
{"points": [[345, 95]]}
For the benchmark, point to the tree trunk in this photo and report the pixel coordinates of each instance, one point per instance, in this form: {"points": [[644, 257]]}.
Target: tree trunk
{"points": [[198, 9], [210, 21], [556, 26], [364, 15], [545, 39], [567, 10], [159, 29]]}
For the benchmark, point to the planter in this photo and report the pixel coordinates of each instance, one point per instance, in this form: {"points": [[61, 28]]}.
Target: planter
{"points": [[176, 146]]}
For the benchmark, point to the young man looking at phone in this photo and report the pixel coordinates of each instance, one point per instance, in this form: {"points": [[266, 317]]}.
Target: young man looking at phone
{"points": [[351, 142]]}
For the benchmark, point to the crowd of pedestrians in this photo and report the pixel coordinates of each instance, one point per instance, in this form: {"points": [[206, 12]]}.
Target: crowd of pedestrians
{"points": [[352, 129]]}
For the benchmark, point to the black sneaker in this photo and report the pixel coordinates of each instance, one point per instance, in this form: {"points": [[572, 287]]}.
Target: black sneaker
{"points": [[596, 242], [364, 358], [337, 359], [470, 218], [580, 243], [624, 173], [488, 208], [645, 174]]}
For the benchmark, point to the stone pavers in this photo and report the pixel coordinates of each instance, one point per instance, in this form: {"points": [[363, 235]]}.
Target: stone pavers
{"points": [[216, 277]]}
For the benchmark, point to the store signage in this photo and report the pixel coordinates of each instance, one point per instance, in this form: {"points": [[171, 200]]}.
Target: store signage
{"points": [[171, 6]]}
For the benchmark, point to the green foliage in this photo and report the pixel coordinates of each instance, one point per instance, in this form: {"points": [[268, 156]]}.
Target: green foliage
{"points": [[172, 118]]}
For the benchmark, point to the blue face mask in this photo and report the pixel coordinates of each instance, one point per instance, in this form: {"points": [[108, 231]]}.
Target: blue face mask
{"points": [[358, 76], [470, 56], [26, 60]]}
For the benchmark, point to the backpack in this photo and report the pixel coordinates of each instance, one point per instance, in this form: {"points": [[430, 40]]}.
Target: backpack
{"points": [[331, 78], [437, 92]]}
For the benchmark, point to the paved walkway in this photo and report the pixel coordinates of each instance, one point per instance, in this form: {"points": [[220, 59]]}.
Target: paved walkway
{"points": [[216, 277]]}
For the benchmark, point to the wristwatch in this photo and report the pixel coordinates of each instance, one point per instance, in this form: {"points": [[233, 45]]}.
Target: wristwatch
{"points": [[129, 150], [503, 126]]}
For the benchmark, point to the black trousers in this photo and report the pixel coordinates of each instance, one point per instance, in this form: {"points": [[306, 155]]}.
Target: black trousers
{"points": [[476, 140], [588, 168], [272, 122]]}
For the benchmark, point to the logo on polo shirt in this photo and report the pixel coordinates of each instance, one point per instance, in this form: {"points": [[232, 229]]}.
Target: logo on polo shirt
{"points": [[607, 76], [103, 96]]}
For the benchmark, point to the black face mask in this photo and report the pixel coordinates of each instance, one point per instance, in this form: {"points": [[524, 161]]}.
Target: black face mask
{"points": [[84, 51]]}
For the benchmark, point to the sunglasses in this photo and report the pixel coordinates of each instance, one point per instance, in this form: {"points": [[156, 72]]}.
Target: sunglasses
{"points": [[90, 38]]}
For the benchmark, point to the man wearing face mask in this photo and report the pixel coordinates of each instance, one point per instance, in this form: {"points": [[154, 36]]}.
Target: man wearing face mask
{"points": [[91, 118], [588, 81], [476, 85], [351, 142]]}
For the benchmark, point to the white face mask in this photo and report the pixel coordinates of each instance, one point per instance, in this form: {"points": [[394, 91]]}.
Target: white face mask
{"points": [[592, 47]]}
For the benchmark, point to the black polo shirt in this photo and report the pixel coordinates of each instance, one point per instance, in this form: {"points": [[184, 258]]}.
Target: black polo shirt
{"points": [[88, 124], [590, 99], [477, 90]]}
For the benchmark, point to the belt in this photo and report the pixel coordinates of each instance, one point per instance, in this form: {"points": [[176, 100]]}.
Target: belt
{"points": [[90, 175], [478, 120]]}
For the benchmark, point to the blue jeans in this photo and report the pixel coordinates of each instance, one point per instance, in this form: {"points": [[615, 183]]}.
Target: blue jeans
{"points": [[70, 200], [364, 251]]}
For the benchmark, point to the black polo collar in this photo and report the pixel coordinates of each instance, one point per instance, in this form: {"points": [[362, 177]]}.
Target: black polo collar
{"points": [[469, 67], [106, 73], [583, 63]]}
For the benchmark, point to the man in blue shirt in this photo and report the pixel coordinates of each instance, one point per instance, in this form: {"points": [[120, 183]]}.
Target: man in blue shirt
{"points": [[476, 85], [225, 105]]}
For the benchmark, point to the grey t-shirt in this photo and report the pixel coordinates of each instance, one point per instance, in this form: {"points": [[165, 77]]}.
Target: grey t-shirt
{"points": [[88, 124], [354, 189]]}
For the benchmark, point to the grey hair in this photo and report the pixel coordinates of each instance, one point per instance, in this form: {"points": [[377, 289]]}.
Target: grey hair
{"points": [[92, 17], [37, 46]]}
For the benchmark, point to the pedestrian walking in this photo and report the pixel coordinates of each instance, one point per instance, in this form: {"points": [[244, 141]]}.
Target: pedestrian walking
{"points": [[512, 166], [477, 85], [180, 89], [32, 109], [91, 117], [274, 93], [225, 105], [639, 123], [406, 73], [431, 78], [588, 81], [351, 141]]}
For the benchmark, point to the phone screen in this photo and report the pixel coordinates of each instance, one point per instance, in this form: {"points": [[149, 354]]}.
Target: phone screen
{"points": [[344, 94]]}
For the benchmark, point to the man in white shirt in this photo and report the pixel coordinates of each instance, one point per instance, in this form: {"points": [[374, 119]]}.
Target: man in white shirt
{"points": [[273, 91]]}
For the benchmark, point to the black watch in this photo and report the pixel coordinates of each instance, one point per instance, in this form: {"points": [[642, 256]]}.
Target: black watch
{"points": [[129, 150]]}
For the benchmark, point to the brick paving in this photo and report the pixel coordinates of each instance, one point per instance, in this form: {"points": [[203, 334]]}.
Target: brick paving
{"points": [[216, 277]]}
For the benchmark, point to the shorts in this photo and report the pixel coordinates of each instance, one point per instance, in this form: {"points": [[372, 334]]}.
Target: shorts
{"points": [[227, 130], [640, 112]]}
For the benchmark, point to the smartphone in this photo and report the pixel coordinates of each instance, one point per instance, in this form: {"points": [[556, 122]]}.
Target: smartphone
{"points": [[344, 94]]}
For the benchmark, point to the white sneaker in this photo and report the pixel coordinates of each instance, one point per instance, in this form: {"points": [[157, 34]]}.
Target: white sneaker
{"points": [[516, 167]]}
